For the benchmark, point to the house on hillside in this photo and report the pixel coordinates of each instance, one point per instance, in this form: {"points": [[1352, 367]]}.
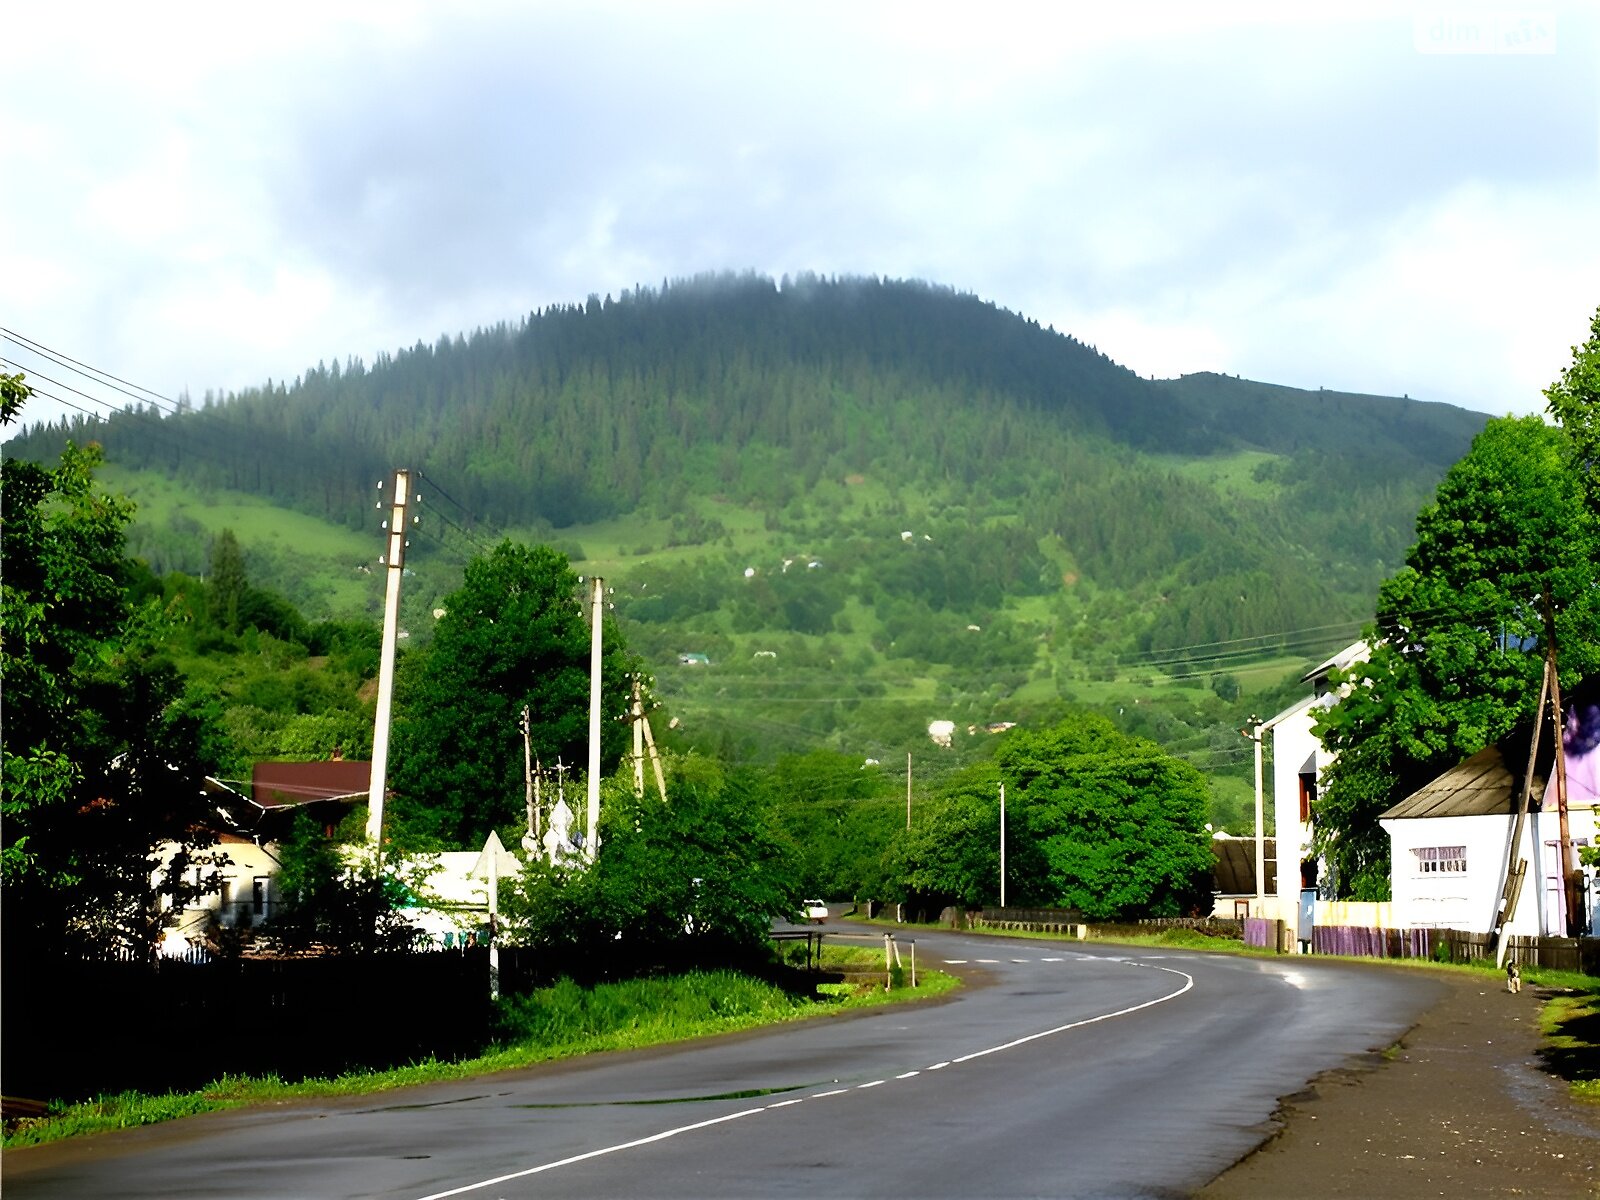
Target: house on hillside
{"points": [[1298, 759], [250, 828], [1450, 841]]}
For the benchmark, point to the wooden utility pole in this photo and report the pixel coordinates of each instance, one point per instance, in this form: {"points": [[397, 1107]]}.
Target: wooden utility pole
{"points": [[1516, 865], [1571, 877], [643, 739], [655, 757], [394, 561], [591, 840]]}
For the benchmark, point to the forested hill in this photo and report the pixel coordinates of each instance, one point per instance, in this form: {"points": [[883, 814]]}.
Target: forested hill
{"points": [[1213, 506]]}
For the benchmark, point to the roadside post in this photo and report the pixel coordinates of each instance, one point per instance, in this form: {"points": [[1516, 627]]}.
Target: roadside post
{"points": [[494, 856]]}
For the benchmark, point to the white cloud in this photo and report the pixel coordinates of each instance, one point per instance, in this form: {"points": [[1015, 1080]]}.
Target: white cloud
{"points": [[209, 196]]}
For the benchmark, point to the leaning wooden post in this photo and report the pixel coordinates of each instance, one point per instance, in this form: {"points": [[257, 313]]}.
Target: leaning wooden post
{"points": [[888, 962], [913, 964]]}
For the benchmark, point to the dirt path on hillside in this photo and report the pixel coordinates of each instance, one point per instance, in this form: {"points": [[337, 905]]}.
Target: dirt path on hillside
{"points": [[1462, 1109]]}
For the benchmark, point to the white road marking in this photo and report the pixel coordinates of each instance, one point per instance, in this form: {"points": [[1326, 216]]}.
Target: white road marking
{"points": [[955, 962], [1052, 960], [1022, 960], [750, 1112], [908, 1074], [1121, 1012], [988, 960], [578, 1158]]}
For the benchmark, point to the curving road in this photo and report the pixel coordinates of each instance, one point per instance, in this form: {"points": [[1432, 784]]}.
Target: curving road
{"points": [[1094, 1072]]}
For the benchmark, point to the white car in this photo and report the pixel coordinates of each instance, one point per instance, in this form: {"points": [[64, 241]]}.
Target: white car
{"points": [[814, 911]]}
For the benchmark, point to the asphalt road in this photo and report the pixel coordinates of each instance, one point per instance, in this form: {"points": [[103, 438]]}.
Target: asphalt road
{"points": [[1092, 1072]]}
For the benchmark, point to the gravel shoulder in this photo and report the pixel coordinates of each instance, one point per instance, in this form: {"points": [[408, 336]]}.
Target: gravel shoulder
{"points": [[1459, 1108]]}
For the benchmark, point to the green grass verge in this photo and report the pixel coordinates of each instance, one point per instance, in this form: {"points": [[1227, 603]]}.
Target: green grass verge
{"points": [[1570, 1024], [562, 1021]]}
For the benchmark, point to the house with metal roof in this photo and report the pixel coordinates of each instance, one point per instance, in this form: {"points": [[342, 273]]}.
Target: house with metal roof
{"points": [[1450, 841], [249, 826]]}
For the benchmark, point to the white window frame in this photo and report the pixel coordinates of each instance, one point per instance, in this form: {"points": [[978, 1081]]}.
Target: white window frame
{"points": [[1433, 861]]}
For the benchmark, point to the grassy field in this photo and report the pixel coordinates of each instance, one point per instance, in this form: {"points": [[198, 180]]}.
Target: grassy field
{"points": [[562, 1021], [1233, 474]]}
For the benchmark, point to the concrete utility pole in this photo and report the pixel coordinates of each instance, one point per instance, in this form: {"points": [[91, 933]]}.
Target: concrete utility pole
{"points": [[531, 842], [1261, 821], [394, 561], [636, 717], [1002, 844], [591, 841], [908, 789]]}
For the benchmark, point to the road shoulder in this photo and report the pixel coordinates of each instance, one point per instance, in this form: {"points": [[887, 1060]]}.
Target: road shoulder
{"points": [[1458, 1108]]}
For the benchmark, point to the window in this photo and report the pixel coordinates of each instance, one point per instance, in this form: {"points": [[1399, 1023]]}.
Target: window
{"points": [[1441, 860], [258, 894], [1308, 795]]}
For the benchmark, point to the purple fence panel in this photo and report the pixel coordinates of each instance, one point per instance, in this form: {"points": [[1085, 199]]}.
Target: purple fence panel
{"points": [[1259, 931], [1362, 942]]}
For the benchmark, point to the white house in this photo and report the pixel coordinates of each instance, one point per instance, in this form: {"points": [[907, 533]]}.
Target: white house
{"points": [[1450, 842], [1298, 759], [249, 830]]}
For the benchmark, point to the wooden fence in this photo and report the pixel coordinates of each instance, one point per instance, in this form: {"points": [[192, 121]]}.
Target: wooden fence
{"points": [[74, 1029], [1456, 945]]}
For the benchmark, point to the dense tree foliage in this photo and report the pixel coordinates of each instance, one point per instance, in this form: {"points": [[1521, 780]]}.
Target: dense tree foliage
{"points": [[1458, 645], [516, 634], [102, 758], [840, 816], [1096, 821], [706, 869], [337, 894], [1574, 401]]}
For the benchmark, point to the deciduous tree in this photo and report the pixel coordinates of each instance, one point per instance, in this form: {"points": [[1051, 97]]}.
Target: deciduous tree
{"points": [[102, 757], [1458, 643], [515, 633], [1097, 821]]}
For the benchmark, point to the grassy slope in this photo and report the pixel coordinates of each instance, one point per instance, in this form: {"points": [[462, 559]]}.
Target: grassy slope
{"points": [[317, 565]]}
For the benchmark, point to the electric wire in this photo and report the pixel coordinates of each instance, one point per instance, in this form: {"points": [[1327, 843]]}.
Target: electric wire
{"points": [[82, 368]]}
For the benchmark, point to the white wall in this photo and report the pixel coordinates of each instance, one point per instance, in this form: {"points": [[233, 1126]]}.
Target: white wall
{"points": [[1294, 749], [247, 863], [1469, 900]]}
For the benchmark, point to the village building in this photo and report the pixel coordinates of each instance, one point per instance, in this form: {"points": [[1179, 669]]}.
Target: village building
{"points": [[1450, 841]]}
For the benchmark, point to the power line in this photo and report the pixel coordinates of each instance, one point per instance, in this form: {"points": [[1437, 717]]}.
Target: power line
{"points": [[91, 372], [481, 545], [34, 374]]}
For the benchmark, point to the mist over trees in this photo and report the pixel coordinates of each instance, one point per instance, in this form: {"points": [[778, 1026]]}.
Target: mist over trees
{"points": [[759, 391]]}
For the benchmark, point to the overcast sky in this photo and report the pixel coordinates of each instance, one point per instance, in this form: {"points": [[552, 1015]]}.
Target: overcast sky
{"points": [[1388, 199]]}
